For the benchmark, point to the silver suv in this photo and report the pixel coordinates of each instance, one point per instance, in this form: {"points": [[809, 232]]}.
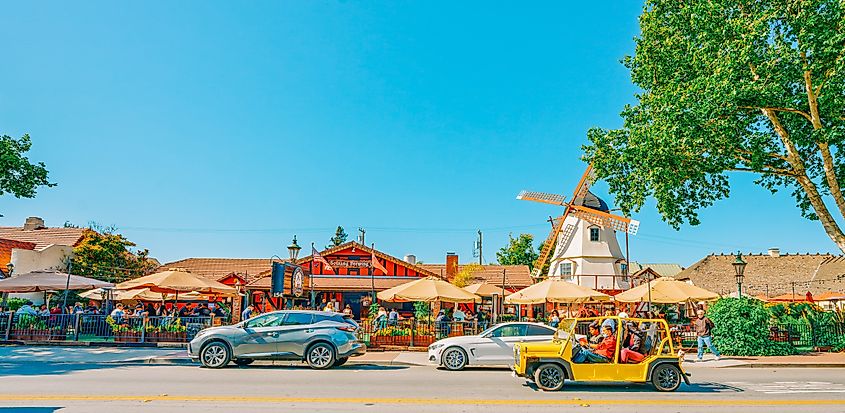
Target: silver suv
{"points": [[321, 339]]}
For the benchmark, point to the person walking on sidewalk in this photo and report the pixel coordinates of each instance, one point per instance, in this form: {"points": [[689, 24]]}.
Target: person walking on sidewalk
{"points": [[703, 329]]}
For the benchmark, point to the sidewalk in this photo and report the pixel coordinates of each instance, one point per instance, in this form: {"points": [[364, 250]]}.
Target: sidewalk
{"points": [[165, 356]]}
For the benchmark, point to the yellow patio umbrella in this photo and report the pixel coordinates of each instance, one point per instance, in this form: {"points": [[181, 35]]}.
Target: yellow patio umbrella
{"points": [[555, 291], [143, 294], [665, 290], [176, 282], [428, 290], [483, 289]]}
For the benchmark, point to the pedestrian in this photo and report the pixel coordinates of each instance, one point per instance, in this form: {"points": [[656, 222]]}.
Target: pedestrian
{"points": [[393, 317], [247, 313], [381, 318], [329, 307], [554, 319], [703, 330], [118, 313], [347, 310]]}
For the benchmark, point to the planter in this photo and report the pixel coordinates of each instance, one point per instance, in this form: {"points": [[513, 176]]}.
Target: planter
{"points": [[169, 337], [127, 337], [423, 341]]}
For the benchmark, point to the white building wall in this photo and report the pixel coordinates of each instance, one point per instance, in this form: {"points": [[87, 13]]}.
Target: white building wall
{"points": [[594, 263], [50, 258]]}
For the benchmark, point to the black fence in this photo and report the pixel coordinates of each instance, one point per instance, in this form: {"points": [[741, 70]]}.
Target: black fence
{"points": [[102, 328], [414, 333], [803, 335]]}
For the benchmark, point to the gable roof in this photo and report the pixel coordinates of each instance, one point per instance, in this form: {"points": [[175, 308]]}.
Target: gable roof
{"points": [[664, 270], [815, 273], [44, 237], [516, 276], [219, 268], [419, 268]]}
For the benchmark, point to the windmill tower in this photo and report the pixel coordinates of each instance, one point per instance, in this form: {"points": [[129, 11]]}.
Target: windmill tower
{"points": [[586, 251]]}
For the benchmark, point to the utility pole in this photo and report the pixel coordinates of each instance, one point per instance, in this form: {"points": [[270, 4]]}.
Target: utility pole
{"points": [[480, 254], [361, 233]]}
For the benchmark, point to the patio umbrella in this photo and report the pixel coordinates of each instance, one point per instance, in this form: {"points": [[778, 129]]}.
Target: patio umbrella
{"points": [[665, 290], [428, 290], [37, 281], [555, 291], [143, 294], [483, 289], [176, 282]]}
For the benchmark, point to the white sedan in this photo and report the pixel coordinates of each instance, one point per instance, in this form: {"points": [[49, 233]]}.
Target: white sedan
{"points": [[493, 347]]}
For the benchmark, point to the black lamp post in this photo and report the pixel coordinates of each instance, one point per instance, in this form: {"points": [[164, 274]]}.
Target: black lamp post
{"points": [[739, 269]]}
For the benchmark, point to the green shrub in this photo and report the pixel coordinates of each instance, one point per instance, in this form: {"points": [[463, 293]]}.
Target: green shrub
{"points": [[742, 329], [16, 303]]}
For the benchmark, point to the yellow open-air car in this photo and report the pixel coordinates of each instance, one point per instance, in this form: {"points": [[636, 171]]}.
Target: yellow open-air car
{"points": [[549, 364]]}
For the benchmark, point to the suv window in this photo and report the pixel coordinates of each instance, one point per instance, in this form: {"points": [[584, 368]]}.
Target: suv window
{"points": [[539, 331], [328, 317], [513, 330], [266, 320], [298, 319]]}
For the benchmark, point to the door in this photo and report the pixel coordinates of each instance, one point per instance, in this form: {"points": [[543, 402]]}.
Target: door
{"points": [[497, 346], [296, 332], [261, 336]]}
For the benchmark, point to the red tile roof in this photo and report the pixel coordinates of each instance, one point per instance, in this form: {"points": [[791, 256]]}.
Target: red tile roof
{"points": [[219, 268], [44, 237], [516, 276]]}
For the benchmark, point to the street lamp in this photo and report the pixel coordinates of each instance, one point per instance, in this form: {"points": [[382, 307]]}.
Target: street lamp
{"points": [[293, 249], [739, 269]]}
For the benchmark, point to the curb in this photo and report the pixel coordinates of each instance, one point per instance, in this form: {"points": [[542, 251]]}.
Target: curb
{"points": [[784, 366]]}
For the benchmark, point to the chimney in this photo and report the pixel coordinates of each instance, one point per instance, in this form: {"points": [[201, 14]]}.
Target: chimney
{"points": [[774, 252], [32, 223], [451, 265], [411, 259]]}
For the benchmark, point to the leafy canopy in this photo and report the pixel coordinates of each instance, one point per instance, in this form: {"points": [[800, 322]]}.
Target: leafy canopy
{"points": [[465, 276], [520, 250], [103, 254], [18, 176], [755, 86], [338, 238]]}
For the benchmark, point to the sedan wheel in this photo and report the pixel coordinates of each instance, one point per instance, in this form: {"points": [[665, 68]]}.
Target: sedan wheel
{"points": [[666, 377], [320, 356], [215, 355], [454, 359], [549, 377]]}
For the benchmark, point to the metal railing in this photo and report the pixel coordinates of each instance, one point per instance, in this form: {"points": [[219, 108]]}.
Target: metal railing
{"points": [[799, 335], [414, 333], [102, 328]]}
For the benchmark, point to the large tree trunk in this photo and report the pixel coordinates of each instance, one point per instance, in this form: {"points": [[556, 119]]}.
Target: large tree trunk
{"points": [[794, 158]]}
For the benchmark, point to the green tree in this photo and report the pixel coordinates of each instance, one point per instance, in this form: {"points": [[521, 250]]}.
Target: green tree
{"points": [[465, 276], [338, 238], [520, 250], [755, 86], [106, 255], [18, 176]]}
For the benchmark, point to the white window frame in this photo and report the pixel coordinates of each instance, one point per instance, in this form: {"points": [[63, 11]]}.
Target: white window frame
{"points": [[571, 268], [598, 234]]}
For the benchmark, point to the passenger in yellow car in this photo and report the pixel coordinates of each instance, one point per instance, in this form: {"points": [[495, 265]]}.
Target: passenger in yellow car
{"points": [[632, 344], [598, 353]]}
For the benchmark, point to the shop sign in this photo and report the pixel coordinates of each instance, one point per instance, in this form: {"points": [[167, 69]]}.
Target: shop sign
{"points": [[350, 263], [297, 277]]}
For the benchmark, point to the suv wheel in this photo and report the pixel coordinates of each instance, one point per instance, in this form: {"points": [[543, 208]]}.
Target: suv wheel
{"points": [[215, 355], [666, 377], [320, 356], [454, 359], [549, 377]]}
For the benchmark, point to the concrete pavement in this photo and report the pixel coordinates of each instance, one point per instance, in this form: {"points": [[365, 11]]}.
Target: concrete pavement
{"points": [[169, 356], [80, 387]]}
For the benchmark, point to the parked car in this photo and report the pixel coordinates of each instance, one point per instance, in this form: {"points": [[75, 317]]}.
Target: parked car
{"points": [[321, 339], [549, 364], [493, 346]]}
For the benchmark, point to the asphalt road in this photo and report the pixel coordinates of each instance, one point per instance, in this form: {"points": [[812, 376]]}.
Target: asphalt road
{"points": [[47, 387]]}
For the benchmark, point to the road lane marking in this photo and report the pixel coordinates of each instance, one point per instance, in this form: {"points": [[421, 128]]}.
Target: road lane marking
{"points": [[415, 401], [791, 387]]}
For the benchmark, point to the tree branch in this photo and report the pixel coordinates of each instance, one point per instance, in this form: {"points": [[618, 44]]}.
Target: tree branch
{"points": [[790, 110], [770, 154], [782, 172]]}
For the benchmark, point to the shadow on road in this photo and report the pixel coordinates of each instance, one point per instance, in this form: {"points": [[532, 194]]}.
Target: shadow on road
{"points": [[600, 387], [353, 367], [28, 409], [46, 369]]}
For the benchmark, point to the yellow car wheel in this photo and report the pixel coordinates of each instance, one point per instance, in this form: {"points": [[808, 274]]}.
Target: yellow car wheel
{"points": [[549, 377], [666, 377]]}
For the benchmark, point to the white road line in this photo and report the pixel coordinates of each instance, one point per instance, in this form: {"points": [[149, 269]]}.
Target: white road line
{"points": [[791, 387]]}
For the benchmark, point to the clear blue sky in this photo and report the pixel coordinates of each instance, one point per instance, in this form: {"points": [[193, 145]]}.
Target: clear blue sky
{"points": [[221, 129]]}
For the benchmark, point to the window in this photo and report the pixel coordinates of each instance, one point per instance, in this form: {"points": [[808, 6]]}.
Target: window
{"points": [[566, 268], [594, 234], [298, 319], [266, 320], [540, 331], [513, 330]]}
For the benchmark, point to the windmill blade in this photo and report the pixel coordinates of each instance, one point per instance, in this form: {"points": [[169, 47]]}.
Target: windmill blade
{"points": [[606, 220], [583, 186], [547, 246], [543, 197]]}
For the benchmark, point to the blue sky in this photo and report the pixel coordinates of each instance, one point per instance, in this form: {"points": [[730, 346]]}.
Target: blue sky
{"points": [[221, 129]]}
